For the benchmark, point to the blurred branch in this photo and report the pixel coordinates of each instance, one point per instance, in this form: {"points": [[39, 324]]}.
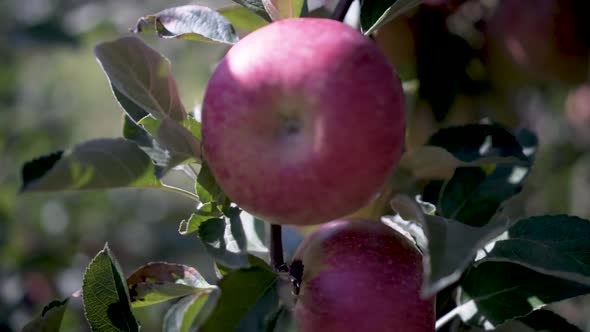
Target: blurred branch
{"points": [[341, 10]]}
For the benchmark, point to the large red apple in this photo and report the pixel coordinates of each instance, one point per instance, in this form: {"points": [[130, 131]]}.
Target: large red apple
{"points": [[361, 275], [303, 121]]}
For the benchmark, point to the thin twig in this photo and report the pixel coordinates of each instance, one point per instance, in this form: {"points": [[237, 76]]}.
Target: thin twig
{"points": [[341, 10], [276, 248], [181, 191]]}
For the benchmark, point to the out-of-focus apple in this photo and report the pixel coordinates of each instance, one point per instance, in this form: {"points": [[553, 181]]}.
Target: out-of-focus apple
{"points": [[540, 40], [303, 121], [577, 114], [361, 275]]}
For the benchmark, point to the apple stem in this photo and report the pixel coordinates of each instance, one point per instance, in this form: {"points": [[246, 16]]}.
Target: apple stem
{"points": [[276, 249], [341, 10]]}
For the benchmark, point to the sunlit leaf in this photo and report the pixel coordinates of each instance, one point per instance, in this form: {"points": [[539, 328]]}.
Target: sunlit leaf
{"points": [[242, 19], [241, 292], [143, 76], [225, 240], [207, 188], [50, 319], [189, 22], [96, 164], [281, 9], [191, 312], [207, 211], [160, 281], [178, 141], [105, 295], [451, 245]]}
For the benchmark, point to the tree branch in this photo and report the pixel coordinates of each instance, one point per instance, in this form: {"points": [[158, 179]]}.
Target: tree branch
{"points": [[341, 10], [276, 249]]}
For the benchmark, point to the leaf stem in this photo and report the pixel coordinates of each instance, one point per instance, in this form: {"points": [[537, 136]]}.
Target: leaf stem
{"points": [[181, 191], [341, 10], [277, 260]]}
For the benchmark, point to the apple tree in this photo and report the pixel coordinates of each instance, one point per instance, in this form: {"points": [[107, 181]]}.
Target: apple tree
{"points": [[323, 201]]}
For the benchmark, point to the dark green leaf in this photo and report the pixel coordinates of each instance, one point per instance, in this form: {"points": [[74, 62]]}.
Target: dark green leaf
{"points": [[189, 22], [50, 319], [142, 76], [160, 281], [548, 321], [376, 13], [474, 194], [256, 7], [281, 321], [242, 291], [494, 292], [433, 162], [207, 211], [476, 141], [242, 19], [105, 295], [553, 245], [132, 110], [450, 245], [96, 164], [191, 312], [225, 239]]}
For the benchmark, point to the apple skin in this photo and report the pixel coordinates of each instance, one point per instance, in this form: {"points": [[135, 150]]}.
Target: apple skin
{"points": [[303, 121], [361, 275]]}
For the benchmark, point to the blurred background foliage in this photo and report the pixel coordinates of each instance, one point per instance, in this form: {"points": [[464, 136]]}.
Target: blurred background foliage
{"points": [[466, 60]]}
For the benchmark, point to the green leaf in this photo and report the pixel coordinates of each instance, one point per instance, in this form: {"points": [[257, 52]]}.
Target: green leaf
{"points": [[50, 319], [159, 155], [206, 186], [433, 162], [538, 320], [160, 281], [132, 110], [494, 292], [475, 141], [242, 291], [189, 22], [553, 245], [281, 9], [256, 7], [225, 239], [242, 19], [191, 312], [548, 321], [281, 321], [178, 141], [474, 194], [142, 76], [375, 14], [96, 164], [207, 211], [105, 295], [450, 245]]}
